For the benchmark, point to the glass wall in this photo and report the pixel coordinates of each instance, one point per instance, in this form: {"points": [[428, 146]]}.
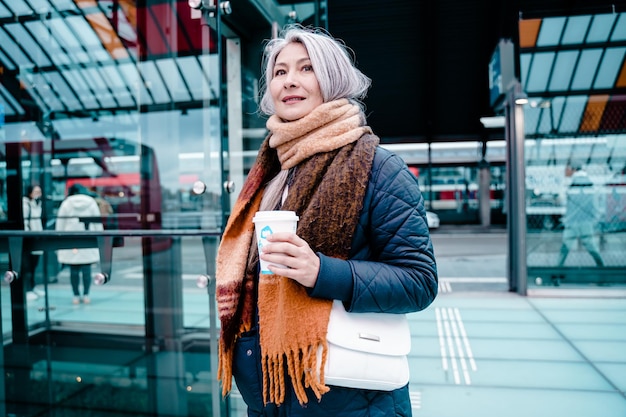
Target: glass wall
{"points": [[117, 105], [572, 69], [143, 114], [449, 175]]}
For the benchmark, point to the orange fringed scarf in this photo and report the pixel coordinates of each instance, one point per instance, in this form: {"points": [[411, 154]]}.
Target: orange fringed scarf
{"points": [[333, 153]]}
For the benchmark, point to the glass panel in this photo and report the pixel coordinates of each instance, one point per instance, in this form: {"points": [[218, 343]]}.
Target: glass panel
{"points": [[32, 91], [619, 33], [81, 89], [88, 39], [173, 79], [540, 71], [118, 86], [575, 30], [563, 69], [98, 85], [550, 32], [67, 39], [62, 5], [12, 50], [546, 123], [11, 106], [609, 67], [586, 69], [15, 131], [154, 82], [39, 31], [525, 60], [27, 43], [557, 105], [451, 192], [65, 92], [209, 64], [194, 76], [578, 193], [132, 77], [19, 7], [601, 27], [107, 80], [38, 84], [4, 12], [40, 6], [144, 142], [6, 61], [572, 113]]}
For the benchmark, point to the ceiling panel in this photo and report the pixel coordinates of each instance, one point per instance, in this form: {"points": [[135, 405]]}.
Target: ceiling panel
{"points": [[9, 105], [83, 58], [581, 59], [428, 59]]}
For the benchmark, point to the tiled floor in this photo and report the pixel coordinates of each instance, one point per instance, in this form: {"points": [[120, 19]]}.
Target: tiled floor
{"points": [[500, 354], [475, 353]]}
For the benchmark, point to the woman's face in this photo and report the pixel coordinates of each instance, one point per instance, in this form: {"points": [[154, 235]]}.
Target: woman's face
{"points": [[36, 193], [294, 88]]}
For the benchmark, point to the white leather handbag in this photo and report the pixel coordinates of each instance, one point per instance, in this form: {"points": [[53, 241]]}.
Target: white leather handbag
{"points": [[367, 350]]}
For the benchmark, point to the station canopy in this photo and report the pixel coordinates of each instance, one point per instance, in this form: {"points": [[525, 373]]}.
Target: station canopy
{"points": [[86, 58], [573, 70]]}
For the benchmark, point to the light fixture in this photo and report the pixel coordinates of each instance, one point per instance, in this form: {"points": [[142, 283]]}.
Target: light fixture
{"points": [[542, 103], [492, 122], [521, 98], [210, 7], [226, 9], [545, 104]]}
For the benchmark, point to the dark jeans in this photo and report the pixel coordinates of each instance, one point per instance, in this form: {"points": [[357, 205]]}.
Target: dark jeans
{"points": [[29, 265], [75, 272]]}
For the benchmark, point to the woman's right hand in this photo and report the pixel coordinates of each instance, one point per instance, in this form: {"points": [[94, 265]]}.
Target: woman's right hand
{"points": [[301, 263]]}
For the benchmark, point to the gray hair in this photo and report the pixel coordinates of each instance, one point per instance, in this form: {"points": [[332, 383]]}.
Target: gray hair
{"points": [[332, 64]]}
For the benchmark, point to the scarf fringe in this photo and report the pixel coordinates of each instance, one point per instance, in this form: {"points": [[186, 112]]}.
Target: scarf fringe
{"points": [[224, 368], [302, 367]]}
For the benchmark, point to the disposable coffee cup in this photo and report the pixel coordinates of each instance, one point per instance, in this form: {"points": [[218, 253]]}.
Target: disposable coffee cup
{"points": [[268, 222]]}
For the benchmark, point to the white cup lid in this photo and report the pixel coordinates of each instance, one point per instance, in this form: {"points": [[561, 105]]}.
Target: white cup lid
{"points": [[261, 216]]}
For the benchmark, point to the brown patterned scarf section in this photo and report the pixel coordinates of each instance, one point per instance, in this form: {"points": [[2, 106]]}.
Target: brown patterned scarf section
{"points": [[327, 193]]}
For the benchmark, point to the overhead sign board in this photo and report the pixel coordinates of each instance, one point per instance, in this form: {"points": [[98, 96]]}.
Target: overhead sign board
{"points": [[501, 72]]}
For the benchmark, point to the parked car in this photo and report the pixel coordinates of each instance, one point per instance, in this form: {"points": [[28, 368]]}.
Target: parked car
{"points": [[432, 219]]}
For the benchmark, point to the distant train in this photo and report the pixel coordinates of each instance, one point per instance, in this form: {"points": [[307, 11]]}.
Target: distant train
{"points": [[449, 178]]}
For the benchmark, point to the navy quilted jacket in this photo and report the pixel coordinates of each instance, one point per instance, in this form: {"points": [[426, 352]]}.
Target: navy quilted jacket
{"points": [[391, 268]]}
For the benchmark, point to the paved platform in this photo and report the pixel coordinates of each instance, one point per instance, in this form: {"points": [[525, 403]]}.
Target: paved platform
{"points": [[475, 353], [500, 354]]}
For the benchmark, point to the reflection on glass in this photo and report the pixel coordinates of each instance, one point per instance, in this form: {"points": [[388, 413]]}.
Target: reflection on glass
{"points": [[575, 208], [582, 214]]}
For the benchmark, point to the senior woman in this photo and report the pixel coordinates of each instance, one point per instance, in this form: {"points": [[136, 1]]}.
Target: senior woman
{"points": [[362, 236]]}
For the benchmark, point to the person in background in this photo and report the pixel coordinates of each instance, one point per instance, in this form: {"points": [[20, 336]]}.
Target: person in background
{"points": [[106, 209], [581, 215], [79, 212], [31, 210], [362, 236]]}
